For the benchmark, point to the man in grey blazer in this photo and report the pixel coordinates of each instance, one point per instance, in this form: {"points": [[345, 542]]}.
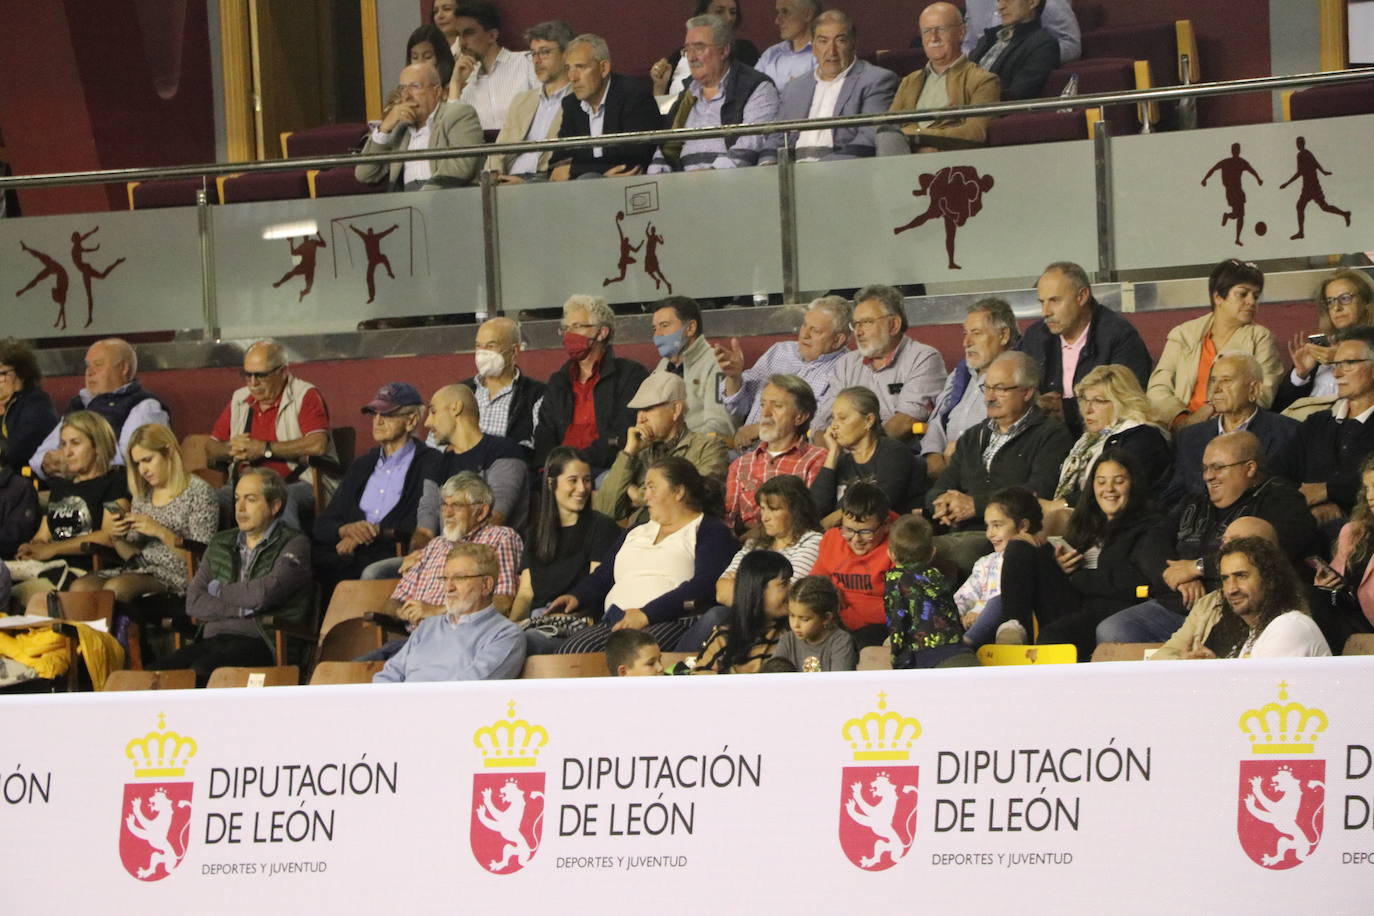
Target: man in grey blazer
{"points": [[840, 85], [421, 120]]}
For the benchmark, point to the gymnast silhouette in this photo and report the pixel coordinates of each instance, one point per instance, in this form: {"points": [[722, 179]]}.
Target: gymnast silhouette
{"points": [[956, 193], [51, 268], [89, 273]]}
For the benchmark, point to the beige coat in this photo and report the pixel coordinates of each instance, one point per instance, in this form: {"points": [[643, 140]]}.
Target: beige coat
{"points": [[519, 117], [1197, 626], [1171, 384], [966, 84]]}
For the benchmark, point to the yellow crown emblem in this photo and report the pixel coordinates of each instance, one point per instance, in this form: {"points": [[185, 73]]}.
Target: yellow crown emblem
{"points": [[160, 753], [1283, 727], [510, 742], [881, 734]]}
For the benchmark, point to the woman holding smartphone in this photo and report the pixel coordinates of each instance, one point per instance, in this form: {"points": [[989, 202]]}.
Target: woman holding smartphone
{"points": [[1345, 300], [172, 510]]}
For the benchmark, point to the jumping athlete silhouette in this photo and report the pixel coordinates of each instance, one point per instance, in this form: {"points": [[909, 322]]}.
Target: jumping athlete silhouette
{"points": [[372, 244], [59, 287], [626, 249], [1233, 169], [651, 267], [956, 193], [306, 250], [1308, 169], [88, 272]]}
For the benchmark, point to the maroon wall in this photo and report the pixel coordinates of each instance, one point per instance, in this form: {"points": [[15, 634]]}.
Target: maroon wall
{"points": [[196, 396], [78, 91]]}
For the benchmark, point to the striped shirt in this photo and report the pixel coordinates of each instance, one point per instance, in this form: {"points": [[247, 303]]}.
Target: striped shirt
{"points": [[760, 107], [783, 358], [491, 91]]}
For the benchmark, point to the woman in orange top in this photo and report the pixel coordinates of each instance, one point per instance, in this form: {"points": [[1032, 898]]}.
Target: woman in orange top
{"points": [[1178, 387]]}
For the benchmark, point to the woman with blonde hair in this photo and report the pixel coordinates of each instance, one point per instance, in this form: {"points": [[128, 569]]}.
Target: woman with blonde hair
{"points": [[1345, 299], [1178, 388], [172, 510], [1115, 415]]}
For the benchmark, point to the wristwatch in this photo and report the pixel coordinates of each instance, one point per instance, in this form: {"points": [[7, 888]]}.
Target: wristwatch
{"points": [[267, 453], [1201, 569]]}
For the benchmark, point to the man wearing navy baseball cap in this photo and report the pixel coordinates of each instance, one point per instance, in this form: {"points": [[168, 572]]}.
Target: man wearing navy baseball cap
{"points": [[374, 507]]}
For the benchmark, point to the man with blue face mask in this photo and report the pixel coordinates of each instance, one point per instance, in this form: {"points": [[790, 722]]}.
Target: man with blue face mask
{"points": [[681, 342]]}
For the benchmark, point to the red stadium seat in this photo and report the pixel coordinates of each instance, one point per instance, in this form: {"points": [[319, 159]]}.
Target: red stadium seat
{"points": [[327, 140], [1331, 101], [168, 192], [339, 182], [902, 61], [1037, 127], [243, 189]]}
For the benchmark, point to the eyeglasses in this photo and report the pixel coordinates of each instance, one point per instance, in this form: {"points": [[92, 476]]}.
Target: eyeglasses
{"points": [[1096, 403], [258, 376], [578, 327], [857, 534], [868, 322], [541, 53], [1218, 468], [1342, 299], [1345, 365], [940, 30], [699, 47], [461, 576], [999, 389]]}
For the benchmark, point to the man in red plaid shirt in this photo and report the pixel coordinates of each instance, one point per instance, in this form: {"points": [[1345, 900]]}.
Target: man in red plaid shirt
{"points": [[466, 509], [786, 408]]}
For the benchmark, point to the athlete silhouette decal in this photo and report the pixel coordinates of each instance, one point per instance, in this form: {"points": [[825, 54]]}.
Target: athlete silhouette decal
{"points": [[1310, 171], [306, 250], [372, 244], [649, 245], [956, 194], [1233, 169], [62, 279]]}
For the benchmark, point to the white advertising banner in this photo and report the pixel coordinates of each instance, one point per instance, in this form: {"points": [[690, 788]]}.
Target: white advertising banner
{"points": [[640, 239], [100, 273], [1123, 788], [1261, 191], [941, 217], [348, 259]]}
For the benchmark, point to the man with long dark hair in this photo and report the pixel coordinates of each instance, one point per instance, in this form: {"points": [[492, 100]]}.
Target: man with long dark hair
{"points": [[1260, 587]]}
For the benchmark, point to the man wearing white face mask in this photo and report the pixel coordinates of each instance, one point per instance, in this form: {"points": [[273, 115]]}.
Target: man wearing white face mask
{"points": [[507, 399], [681, 342]]}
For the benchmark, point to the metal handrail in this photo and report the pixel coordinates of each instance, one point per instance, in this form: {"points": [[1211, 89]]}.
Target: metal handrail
{"points": [[1096, 100]]}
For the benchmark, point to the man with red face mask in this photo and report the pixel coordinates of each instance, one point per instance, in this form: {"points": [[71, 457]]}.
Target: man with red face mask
{"points": [[586, 405]]}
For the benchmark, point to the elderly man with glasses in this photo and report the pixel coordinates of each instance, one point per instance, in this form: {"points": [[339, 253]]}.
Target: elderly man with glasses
{"points": [[1324, 457], [1018, 445], [275, 421], [905, 374], [1179, 553]]}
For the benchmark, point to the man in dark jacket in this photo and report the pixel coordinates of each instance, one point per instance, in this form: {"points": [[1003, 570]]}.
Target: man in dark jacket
{"points": [[1179, 553], [1235, 386], [251, 578], [1324, 458], [1017, 445], [374, 507], [1076, 335], [602, 102], [587, 403], [1018, 51]]}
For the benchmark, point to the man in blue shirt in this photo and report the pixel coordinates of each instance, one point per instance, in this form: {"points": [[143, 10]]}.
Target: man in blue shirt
{"points": [[791, 57], [470, 641]]}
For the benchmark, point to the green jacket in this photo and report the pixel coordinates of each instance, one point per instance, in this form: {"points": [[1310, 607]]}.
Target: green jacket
{"points": [[279, 584], [708, 454]]}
